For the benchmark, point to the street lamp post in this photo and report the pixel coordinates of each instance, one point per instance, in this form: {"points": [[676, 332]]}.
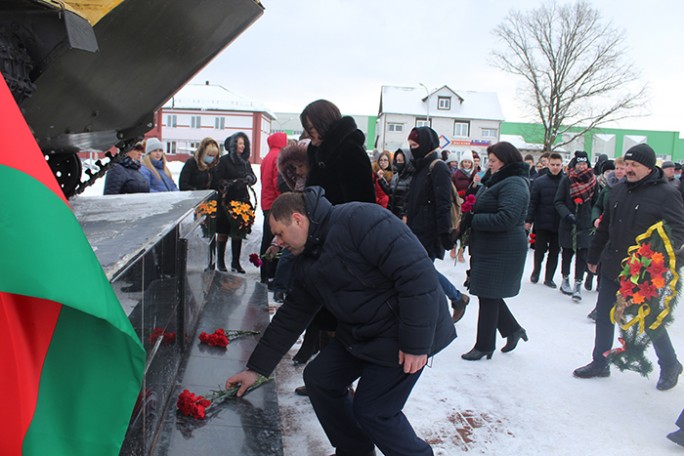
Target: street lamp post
{"points": [[427, 92]]}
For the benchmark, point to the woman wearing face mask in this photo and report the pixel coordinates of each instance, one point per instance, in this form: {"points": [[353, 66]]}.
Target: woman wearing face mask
{"points": [[428, 207], [198, 173], [155, 169]]}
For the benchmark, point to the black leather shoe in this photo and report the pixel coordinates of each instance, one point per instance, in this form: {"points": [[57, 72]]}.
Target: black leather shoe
{"points": [[550, 283], [476, 355], [301, 391], [677, 437], [534, 278], [592, 370], [237, 268], [669, 377], [592, 315], [513, 339]]}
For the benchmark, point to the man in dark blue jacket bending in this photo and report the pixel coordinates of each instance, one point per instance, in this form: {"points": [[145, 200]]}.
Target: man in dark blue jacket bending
{"points": [[366, 267]]}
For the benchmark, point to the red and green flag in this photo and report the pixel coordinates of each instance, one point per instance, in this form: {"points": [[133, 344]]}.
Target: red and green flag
{"points": [[71, 364]]}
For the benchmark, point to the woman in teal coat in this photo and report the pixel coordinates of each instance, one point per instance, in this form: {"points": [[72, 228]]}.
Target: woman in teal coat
{"points": [[498, 247]]}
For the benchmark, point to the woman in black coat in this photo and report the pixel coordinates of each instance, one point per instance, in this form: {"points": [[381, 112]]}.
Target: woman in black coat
{"points": [[233, 177], [337, 156], [498, 248], [198, 173], [338, 163], [400, 183], [125, 175]]}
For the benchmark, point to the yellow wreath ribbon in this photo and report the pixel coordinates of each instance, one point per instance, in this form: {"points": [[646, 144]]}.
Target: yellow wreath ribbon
{"points": [[644, 309]]}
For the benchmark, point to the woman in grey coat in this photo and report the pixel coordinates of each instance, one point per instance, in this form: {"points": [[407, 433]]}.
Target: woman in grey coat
{"points": [[498, 247]]}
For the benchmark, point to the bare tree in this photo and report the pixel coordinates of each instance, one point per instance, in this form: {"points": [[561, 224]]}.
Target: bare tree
{"points": [[576, 76]]}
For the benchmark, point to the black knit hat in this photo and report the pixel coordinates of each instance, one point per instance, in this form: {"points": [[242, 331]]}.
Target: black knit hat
{"points": [[581, 157], [641, 153], [607, 165]]}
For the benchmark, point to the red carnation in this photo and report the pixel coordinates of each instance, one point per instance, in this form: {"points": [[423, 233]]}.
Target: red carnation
{"points": [[255, 260], [578, 201], [192, 404]]}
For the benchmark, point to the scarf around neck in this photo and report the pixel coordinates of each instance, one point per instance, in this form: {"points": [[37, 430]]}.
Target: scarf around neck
{"points": [[582, 184]]}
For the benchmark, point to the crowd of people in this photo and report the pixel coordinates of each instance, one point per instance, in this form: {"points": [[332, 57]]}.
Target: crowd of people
{"points": [[349, 243]]}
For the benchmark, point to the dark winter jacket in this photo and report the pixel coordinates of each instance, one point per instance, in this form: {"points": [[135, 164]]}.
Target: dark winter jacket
{"points": [[399, 187], [542, 211], [429, 203], [125, 177], [341, 165], [632, 209], [498, 241], [565, 205], [368, 269], [163, 183], [233, 177], [192, 178]]}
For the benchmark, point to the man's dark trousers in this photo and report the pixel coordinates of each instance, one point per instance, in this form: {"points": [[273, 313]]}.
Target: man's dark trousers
{"points": [[373, 415], [605, 329], [546, 240]]}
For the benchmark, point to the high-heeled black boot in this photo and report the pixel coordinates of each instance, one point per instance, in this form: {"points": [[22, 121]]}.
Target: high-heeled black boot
{"points": [[476, 355], [221, 256], [236, 248], [513, 339]]}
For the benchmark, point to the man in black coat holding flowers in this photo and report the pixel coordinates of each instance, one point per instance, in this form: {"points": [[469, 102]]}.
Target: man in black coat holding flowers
{"points": [[365, 266], [635, 205]]}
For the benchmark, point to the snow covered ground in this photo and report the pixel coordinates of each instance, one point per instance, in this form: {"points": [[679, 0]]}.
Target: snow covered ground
{"points": [[522, 403]]}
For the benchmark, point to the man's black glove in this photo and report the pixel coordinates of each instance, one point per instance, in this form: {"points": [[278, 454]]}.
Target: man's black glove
{"points": [[447, 241], [570, 218]]}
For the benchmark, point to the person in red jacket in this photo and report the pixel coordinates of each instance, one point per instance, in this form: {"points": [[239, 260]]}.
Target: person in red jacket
{"points": [[269, 192]]}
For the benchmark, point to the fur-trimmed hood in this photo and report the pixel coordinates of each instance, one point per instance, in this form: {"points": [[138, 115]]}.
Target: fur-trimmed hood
{"points": [[231, 146], [288, 158]]}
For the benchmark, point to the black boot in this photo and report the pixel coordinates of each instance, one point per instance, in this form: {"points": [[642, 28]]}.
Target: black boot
{"points": [[221, 256], [513, 339], [592, 370], [534, 278], [669, 376], [236, 248], [589, 281]]}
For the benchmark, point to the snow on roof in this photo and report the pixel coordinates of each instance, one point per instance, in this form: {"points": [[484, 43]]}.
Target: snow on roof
{"points": [[520, 143], [215, 98], [411, 100]]}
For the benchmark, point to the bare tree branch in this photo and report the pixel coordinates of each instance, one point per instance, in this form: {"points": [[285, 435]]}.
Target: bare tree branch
{"points": [[573, 68]]}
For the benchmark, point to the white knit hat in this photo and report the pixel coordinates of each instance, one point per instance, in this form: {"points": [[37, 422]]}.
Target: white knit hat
{"points": [[467, 155]]}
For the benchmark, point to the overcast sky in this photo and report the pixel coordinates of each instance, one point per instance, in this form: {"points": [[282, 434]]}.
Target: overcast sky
{"points": [[345, 50]]}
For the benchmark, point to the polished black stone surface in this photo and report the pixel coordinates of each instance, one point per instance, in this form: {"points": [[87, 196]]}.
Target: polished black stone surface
{"points": [[247, 426]]}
